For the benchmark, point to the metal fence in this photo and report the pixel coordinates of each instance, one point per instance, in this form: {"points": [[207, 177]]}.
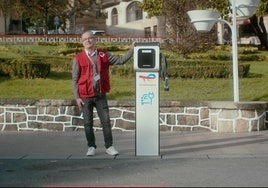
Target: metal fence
{"points": [[31, 39]]}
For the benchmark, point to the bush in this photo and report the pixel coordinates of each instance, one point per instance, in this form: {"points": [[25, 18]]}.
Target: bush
{"points": [[125, 71], [213, 64], [204, 69], [49, 43], [59, 64], [28, 69], [73, 45], [5, 66], [252, 57], [245, 54]]}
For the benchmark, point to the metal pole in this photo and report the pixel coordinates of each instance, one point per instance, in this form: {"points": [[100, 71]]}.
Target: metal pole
{"points": [[235, 58]]}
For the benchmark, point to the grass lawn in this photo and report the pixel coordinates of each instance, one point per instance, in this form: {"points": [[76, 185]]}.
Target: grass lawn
{"points": [[59, 85]]}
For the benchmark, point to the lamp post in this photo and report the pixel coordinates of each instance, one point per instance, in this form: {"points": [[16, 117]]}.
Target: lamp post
{"points": [[246, 9], [235, 54]]}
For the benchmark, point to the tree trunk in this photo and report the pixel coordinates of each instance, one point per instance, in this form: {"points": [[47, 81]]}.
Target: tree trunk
{"points": [[5, 27]]}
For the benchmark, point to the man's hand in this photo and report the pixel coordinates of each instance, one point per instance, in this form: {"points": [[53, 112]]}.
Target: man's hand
{"points": [[80, 103]]}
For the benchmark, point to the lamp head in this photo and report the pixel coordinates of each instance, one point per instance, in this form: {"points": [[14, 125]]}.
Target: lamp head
{"points": [[245, 8], [203, 20]]}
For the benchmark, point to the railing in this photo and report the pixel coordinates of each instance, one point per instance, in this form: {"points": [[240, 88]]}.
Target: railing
{"points": [[28, 39]]}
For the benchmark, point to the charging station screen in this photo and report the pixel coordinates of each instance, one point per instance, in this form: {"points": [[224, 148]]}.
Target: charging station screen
{"points": [[146, 58]]}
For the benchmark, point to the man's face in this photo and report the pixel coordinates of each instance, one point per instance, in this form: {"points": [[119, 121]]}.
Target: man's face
{"points": [[88, 40]]}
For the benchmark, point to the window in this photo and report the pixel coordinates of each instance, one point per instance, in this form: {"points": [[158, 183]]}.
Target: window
{"points": [[155, 31], [114, 17], [133, 12], [147, 32]]}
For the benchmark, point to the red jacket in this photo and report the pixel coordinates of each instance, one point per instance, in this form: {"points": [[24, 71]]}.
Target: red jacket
{"points": [[85, 81]]}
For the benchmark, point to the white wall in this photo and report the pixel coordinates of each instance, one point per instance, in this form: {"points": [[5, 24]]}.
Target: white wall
{"points": [[123, 28]]}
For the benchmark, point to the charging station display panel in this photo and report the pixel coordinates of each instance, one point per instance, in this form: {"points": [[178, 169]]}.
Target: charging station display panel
{"points": [[146, 57]]}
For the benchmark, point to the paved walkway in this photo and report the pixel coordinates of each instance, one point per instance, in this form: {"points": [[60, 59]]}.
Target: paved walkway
{"points": [[187, 159], [72, 145]]}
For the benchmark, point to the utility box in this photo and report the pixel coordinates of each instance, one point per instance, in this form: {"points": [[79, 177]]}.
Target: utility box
{"points": [[146, 67]]}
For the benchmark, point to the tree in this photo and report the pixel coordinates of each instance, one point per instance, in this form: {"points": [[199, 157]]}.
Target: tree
{"points": [[41, 13], [5, 6], [14, 7], [62, 9], [78, 9], [152, 7], [178, 21], [180, 34]]}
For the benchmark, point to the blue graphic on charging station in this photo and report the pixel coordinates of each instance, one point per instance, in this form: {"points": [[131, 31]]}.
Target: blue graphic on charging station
{"points": [[147, 98], [148, 77]]}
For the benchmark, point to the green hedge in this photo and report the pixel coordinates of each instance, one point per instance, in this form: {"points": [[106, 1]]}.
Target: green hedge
{"points": [[194, 70], [191, 69], [72, 48], [5, 66], [24, 68], [125, 71], [57, 63], [213, 64], [29, 69], [224, 56]]}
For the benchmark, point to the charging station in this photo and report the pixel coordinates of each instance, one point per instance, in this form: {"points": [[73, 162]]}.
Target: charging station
{"points": [[146, 67]]}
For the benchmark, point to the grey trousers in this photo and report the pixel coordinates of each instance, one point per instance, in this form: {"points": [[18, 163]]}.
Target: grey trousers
{"points": [[101, 105]]}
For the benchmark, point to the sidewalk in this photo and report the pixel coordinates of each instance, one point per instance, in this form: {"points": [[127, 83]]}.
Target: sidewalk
{"points": [[72, 145], [188, 159]]}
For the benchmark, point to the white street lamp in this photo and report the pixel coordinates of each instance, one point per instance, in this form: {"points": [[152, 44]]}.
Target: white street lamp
{"points": [[203, 18]]}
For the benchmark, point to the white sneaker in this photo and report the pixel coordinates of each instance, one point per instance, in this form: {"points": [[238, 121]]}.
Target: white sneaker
{"points": [[112, 151], [91, 151]]}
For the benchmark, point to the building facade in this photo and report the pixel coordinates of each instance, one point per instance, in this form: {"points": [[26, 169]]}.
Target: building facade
{"points": [[116, 17], [124, 18]]}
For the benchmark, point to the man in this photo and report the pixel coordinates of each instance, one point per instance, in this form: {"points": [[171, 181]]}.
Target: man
{"points": [[91, 82]]}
